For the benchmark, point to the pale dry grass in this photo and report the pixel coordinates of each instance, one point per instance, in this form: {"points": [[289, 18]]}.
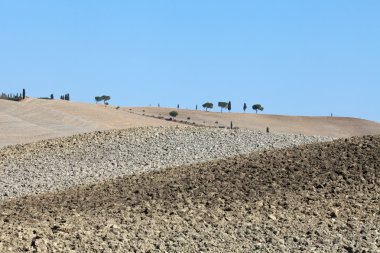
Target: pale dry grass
{"points": [[324, 126], [36, 119]]}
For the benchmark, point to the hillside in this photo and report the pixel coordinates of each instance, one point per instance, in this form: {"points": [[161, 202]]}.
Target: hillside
{"points": [[36, 119], [321, 197], [324, 126], [91, 157]]}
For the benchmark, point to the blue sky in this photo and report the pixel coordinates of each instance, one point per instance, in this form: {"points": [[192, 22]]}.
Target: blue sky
{"points": [[293, 57]]}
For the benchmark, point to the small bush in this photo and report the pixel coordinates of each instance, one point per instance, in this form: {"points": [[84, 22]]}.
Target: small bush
{"points": [[173, 114]]}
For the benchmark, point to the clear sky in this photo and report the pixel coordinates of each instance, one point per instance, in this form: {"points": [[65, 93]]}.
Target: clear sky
{"points": [[294, 57]]}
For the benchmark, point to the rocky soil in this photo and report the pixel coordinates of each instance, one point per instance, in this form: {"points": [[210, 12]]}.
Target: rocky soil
{"points": [[88, 158], [321, 197]]}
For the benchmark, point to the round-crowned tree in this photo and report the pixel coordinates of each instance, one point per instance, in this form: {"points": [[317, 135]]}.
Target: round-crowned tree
{"points": [[257, 107], [208, 105], [222, 105]]}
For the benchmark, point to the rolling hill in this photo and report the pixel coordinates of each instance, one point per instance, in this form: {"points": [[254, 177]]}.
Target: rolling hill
{"points": [[308, 125], [37, 119]]}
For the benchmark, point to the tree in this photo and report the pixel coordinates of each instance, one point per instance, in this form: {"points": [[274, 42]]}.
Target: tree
{"points": [[51, 96], [222, 105], [105, 99], [23, 93], [98, 99], [257, 107], [173, 114], [208, 105], [245, 107], [229, 106], [178, 106]]}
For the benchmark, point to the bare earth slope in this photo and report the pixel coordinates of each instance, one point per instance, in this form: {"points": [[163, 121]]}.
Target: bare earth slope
{"points": [[323, 126], [92, 157], [317, 198], [37, 119]]}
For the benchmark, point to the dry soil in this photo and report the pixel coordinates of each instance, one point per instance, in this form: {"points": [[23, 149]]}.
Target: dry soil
{"points": [[317, 198], [322, 126], [38, 119]]}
